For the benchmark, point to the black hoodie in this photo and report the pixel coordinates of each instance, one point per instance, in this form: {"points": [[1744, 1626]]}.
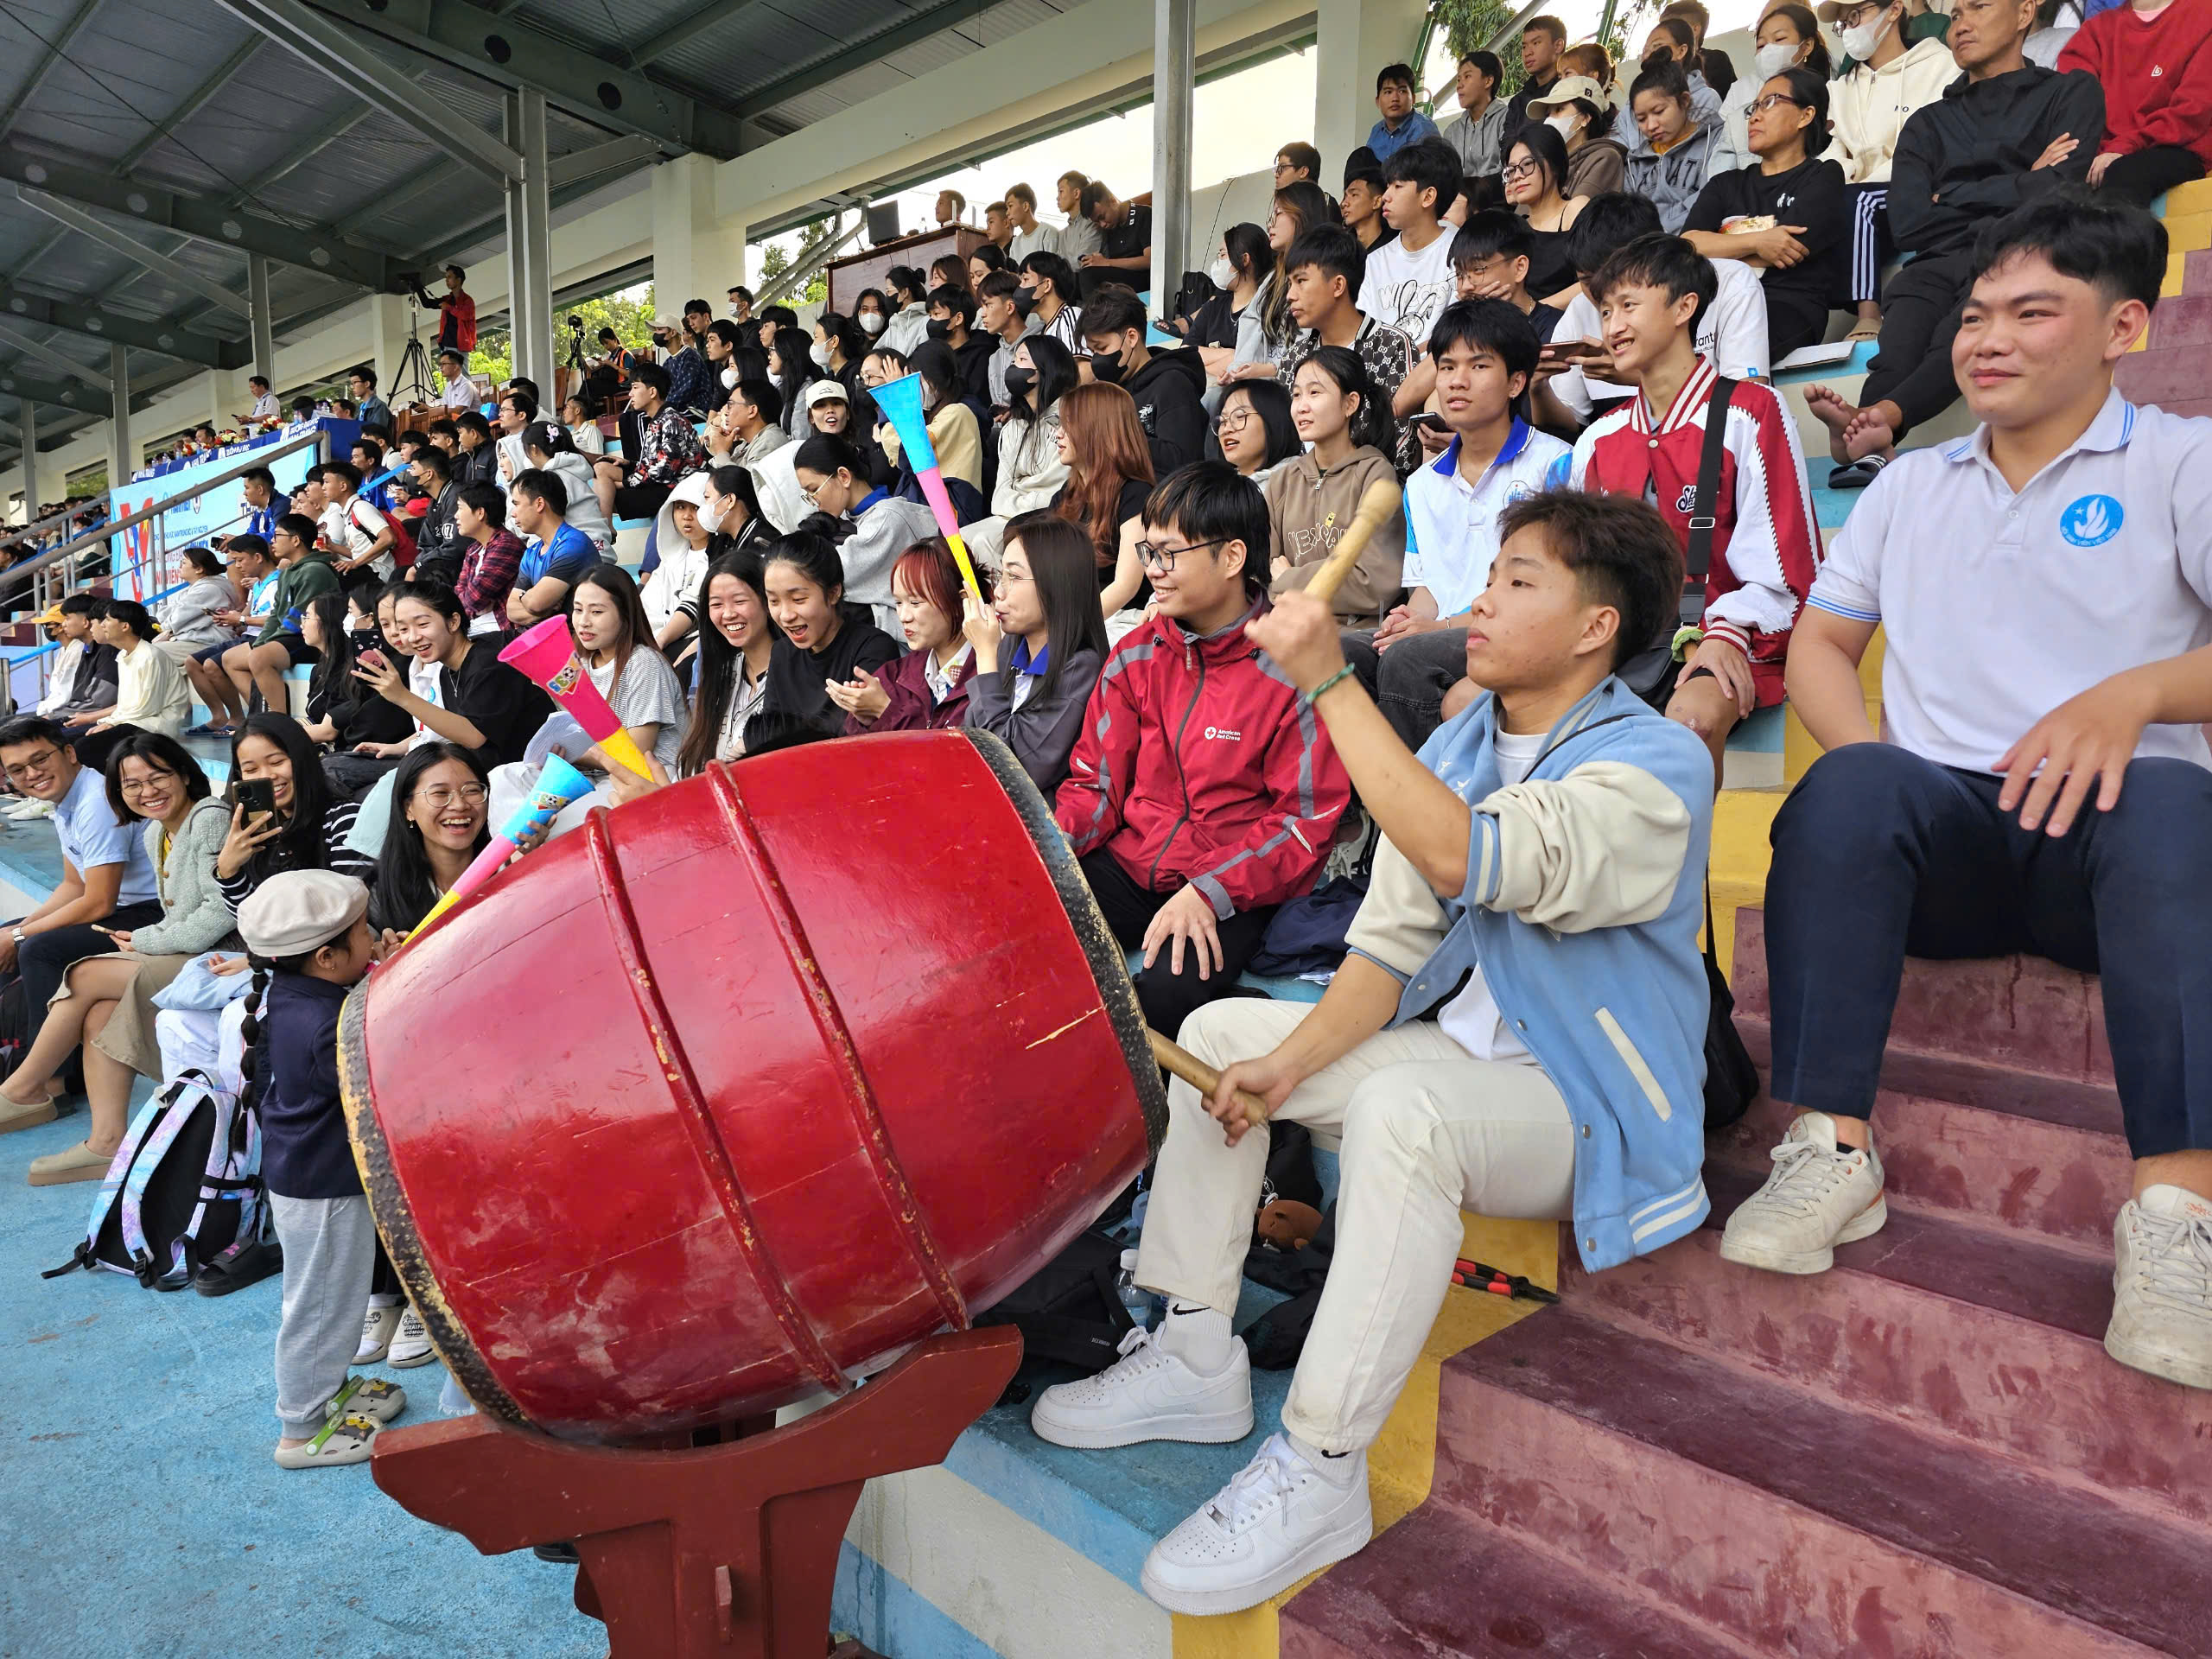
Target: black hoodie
{"points": [[1167, 390], [796, 674], [1970, 156]]}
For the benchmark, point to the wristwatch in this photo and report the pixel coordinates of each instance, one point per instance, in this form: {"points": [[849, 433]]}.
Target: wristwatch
{"points": [[16, 934]]}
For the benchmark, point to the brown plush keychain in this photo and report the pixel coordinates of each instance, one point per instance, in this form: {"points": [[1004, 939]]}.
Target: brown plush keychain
{"points": [[1288, 1224]]}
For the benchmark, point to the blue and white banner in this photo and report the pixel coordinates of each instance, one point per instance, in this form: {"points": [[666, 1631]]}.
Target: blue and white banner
{"points": [[193, 519]]}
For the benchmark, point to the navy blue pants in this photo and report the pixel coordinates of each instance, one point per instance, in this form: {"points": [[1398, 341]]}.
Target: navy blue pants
{"points": [[1879, 854]]}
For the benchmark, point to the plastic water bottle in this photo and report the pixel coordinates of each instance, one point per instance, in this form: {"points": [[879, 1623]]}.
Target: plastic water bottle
{"points": [[1143, 1307]]}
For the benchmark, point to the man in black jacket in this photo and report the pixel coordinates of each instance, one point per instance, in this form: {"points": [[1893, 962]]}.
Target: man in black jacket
{"points": [[1165, 385], [2005, 133], [439, 543]]}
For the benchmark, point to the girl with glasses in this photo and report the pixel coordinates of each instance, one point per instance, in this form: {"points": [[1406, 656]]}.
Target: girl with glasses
{"points": [[1787, 215], [1536, 175], [1255, 429], [440, 820]]}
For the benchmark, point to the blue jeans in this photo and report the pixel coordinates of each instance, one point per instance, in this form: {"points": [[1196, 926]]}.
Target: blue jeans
{"points": [[1879, 854]]}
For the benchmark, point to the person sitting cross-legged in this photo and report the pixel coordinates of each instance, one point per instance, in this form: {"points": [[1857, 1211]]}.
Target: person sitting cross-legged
{"points": [[2045, 588], [1518, 1030], [1201, 793]]}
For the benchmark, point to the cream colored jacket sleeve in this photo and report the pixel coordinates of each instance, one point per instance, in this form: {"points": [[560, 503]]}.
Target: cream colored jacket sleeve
{"points": [[1602, 847]]}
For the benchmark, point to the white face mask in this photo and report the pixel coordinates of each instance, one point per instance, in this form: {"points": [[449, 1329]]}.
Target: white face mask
{"points": [[871, 323], [1772, 61], [729, 380], [1566, 124], [1861, 40], [1224, 273], [821, 355], [711, 518]]}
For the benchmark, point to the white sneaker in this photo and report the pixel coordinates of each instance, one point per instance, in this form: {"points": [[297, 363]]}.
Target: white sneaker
{"points": [[411, 1346], [2162, 1286], [1148, 1394], [1280, 1519], [379, 1326], [1821, 1195], [29, 808]]}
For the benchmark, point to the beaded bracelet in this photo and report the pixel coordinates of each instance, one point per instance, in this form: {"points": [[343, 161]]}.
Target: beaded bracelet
{"points": [[1318, 691]]}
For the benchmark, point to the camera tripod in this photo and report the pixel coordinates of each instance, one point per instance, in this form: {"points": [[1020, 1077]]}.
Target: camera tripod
{"points": [[414, 370]]}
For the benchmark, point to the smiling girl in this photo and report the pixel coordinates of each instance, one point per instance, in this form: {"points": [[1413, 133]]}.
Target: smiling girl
{"points": [[821, 636], [928, 687]]}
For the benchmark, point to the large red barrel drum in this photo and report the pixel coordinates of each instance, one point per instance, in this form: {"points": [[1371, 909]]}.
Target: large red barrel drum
{"points": [[747, 1085]]}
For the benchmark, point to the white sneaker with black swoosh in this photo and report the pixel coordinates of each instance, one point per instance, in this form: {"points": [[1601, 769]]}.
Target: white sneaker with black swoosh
{"points": [[1148, 1394]]}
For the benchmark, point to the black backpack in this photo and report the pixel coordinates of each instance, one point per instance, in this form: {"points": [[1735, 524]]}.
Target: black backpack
{"points": [[1070, 1309]]}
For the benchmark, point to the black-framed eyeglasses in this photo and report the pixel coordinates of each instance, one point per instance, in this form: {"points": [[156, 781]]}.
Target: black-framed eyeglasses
{"points": [[1854, 15], [43, 763], [1232, 420], [1765, 105], [1163, 559], [1522, 169]]}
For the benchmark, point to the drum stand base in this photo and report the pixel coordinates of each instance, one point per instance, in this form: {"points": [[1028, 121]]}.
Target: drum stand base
{"points": [[727, 1550]]}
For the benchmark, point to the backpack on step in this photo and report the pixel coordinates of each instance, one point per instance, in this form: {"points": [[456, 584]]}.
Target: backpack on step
{"points": [[185, 1185]]}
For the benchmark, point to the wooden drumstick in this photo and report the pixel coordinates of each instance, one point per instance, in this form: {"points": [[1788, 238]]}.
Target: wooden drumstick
{"points": [[1179, 1062], [1380, 500]]}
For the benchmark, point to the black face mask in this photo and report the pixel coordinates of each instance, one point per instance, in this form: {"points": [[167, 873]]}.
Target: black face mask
{"points": [[1108, 370], [1025, 302], [940, 330], [1018, 381]]}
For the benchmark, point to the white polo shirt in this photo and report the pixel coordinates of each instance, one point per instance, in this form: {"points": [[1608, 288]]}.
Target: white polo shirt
{"points": [[1451, 526], [1997, 607]]}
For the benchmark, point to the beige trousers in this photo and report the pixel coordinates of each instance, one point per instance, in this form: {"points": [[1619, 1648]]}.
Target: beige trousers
{"points": [[1426, 1130]]}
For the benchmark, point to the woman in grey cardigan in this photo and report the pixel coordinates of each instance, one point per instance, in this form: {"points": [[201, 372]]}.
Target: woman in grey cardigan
{"points": [[1040, 647], [106, 1004], [189, 616]]}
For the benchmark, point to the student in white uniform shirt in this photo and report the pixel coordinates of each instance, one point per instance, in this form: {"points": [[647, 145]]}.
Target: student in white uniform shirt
{"points": [[2045, 588], [1409, 279], [1732, 331], [1485, 354]]}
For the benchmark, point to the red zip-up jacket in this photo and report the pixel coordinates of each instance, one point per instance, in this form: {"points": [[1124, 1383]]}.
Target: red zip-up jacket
{"points": [[1199, 764], [2156, 76]]}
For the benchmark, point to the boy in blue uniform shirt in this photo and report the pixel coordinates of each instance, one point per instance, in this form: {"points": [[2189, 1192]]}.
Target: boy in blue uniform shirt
{"points": [[1519, 1028]]}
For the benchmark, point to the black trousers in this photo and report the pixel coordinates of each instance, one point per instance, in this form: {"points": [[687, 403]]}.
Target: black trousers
{"points": [[2145, 176], [1919, 318], [1880, 853], [1169, 998], [1793, 321], [1409, 681]]}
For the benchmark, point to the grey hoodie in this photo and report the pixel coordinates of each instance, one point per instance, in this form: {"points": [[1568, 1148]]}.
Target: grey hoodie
{"points": [[1672, 181]]}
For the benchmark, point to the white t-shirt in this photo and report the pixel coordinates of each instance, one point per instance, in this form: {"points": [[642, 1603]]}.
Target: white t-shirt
{"points": [[1996, 607], [355, 527], [1407, 290], [1731, 331], [1472, 1018]]}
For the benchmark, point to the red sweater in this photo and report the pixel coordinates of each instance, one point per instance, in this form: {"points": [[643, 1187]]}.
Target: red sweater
{"points": [[1198, 763], [2156, 76]]}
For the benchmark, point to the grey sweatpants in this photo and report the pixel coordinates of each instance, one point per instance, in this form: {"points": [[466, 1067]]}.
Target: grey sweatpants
{"points": [[330, 1248]]}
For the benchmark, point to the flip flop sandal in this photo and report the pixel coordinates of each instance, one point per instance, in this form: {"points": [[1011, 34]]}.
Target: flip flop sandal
{"points": [[368, 1397], [1857, 474], [343, 1440], [1864, 331]]}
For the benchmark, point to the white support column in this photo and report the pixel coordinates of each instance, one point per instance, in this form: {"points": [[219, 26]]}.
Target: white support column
{"points": [[1353, 39], [697, 255], [123, 455], [1174, 77], [264, 332], [26, 418], [530, 238]]}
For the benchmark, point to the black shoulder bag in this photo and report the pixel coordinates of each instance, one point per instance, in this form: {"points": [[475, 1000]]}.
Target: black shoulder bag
{"points": [[1651, 673]]}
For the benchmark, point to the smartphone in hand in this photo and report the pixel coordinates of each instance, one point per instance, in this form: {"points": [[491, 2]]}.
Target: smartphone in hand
{"points": [[258, 795]]}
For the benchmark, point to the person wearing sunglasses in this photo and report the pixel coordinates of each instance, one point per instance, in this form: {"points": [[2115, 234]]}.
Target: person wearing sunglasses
{"points": [[1788, 214], [1202, 793]]}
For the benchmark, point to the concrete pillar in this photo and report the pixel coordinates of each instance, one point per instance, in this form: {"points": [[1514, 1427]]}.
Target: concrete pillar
{"points": [[264, 333], [530, 238], [697, 254], [1353, 39], [1174, 73], [121, 452]]}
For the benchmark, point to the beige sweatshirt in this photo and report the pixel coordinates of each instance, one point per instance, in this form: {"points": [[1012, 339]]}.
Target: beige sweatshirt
{"points": [[1307, 512]]}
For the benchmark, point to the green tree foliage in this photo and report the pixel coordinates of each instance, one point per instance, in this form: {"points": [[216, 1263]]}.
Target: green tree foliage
{"points": [[1470, 25], [774, 262]]}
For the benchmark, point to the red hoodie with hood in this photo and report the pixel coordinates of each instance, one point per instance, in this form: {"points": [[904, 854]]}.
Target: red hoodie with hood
{"points": [[1199, 764]]}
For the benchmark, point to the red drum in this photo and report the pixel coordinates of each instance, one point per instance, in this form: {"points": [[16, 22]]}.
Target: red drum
{"points": [[747, 1085]]}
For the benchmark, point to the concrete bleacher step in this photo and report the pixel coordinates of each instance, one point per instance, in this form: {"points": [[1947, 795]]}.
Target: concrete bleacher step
{"points": [[1797, 1525], [1456, 1586]]}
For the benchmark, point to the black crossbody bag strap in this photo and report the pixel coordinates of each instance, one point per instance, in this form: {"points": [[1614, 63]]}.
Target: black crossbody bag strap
{"points": [[1698, 554]]}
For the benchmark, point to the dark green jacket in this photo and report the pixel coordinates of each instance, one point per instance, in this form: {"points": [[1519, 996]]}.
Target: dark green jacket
{"points": [[297, 584]]}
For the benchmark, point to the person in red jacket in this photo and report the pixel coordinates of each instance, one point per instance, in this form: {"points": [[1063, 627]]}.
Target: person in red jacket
{"points": [[2155, 64], [927, 688], [1203, 791]]}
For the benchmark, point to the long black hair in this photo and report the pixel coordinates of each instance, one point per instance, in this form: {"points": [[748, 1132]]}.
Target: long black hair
{"points": [[405, 888], [1055, 374], [300, 845], [620, 586], [332, 677], [1270, 404], [1343, 368], [1066, 575], [719, 661]]}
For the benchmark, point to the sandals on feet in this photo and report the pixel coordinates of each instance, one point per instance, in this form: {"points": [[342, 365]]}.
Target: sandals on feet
{"points": [[368, 1397], [1864, 331], [343, 1440], [1857, 474]]}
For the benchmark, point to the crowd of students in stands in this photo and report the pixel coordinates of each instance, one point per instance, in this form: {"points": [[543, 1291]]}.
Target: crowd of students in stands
{"points": [[1556, 328]]}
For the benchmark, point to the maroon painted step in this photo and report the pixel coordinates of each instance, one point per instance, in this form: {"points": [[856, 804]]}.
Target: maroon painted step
{"points": [[1798, 1526], [2018, 1012], [1994, 1340], [2183, 320], [2197, 273], [1439, 1583], [2155, 377]]}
